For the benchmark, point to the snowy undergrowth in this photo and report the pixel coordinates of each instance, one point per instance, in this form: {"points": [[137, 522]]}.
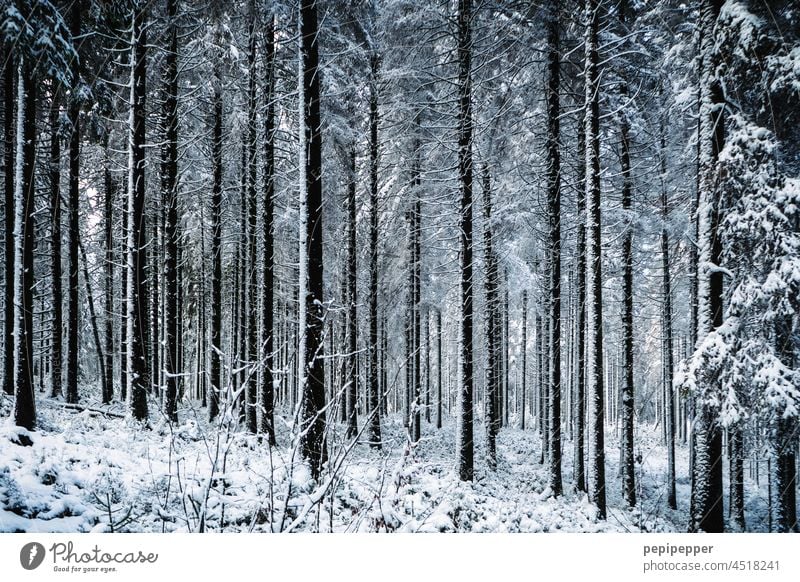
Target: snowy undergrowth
{"points": [[89, 472]]}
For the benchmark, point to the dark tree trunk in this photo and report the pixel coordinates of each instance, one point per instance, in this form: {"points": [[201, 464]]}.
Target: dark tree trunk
{"points": [[595, 389], [252, 220], [73, 313], [524, 366], [268, 324], [25, 402], [554, 215], [57, 337], [439, 368], [215, 388], [10, 98], [373, 396], [626, 441], [169, 190], [666, 290], [707, 502], [313, 414], [579, 472], [492, 336], [109, 188], [466, 446], [138, 292], [350, 379]]}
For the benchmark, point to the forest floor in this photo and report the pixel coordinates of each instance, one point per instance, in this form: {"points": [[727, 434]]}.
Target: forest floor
{"points": [[91, 471]]}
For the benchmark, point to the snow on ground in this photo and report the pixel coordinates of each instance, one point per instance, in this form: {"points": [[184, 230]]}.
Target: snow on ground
{"points": [[87, 471]]}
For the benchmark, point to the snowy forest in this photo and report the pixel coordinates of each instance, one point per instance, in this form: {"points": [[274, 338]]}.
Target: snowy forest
{"points": [[400, 265]]}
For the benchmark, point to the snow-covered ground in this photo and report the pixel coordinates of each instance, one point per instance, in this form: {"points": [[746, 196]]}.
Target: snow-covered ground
{"points": [[87, 471]]}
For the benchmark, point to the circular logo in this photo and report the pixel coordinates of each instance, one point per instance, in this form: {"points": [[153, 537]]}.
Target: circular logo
{"points": [[31, 555]]}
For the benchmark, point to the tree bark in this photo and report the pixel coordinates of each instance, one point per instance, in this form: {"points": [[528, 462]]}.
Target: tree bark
{"points": [[313, 415], [466, 447], [594, 282], [554, 216], [138, 305], [373, 396]]}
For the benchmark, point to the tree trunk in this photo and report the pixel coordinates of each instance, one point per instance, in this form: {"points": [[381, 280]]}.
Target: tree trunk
{"points": [[524, 349], [708, 513], [138, 305], [25, 223], [169, 188], [56, 344], [268, 324], [373, 396], [594, 281], [9, 155], [252, 220], [350, 379], [554, 215], [313, 415], [109, 188], [466, 448], [73, 317], [626, 440], [666, 290], [491, 307]]}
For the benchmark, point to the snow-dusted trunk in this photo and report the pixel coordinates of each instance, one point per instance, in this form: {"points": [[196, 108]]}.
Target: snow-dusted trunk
{"points": [[251, 273], [466, 447], [666, 323], [56, 337], [349, 379], [707, 503], [524, 365], [138, 304], [579, 469], [9, 150], [311, 261], [554, 262], [439, 368], [415, 289], [169, 193], [24, 233], [596, 483], [783, 443], [109, 191], [268, 299], [73, 310], [373, 390], [491, 416]]}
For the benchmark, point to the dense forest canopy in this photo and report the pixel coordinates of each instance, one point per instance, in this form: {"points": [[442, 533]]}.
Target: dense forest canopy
{"points": [[473, 235]]}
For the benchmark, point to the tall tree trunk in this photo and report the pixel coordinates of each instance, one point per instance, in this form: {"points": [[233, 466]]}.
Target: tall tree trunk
{"points": [[594, 281], [313, 414], [373, 396], [73, 317], [524, 366], [350, 379], [215, 388], [554, 215], [56, 344], [138, 305], [466, 447], [169, 189], [626, 441], [252, 221], [25, 225], [439, 368], [9, 155], [666, 290], [579, 471], [707, 491], [491, 307], [267, 323], [109, 188]]}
